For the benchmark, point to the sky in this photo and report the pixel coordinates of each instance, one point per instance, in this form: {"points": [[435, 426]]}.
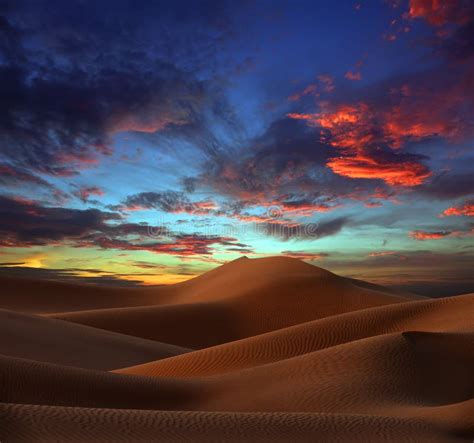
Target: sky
{"points": [[147, 142]]}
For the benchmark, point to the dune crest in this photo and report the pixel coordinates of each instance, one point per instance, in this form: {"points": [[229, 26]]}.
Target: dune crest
{"points": [[269, 349]]}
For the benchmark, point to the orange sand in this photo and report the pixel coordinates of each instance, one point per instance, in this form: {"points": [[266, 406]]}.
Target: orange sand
{"points": [[268, 349]]}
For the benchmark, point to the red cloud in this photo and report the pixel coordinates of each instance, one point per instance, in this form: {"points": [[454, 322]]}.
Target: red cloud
{"points": [[441, 12], [85, 192], [137, 123], [325, 83], [182, 245], [423, 235], [309, 90], [466, 209], [370, 204], [353, 75], [404, 173]]}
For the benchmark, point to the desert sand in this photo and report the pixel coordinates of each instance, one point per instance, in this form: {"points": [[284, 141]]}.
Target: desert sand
{"points": [[270, 349]]}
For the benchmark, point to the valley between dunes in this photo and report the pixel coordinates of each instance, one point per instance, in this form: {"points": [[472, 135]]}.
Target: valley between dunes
{"points": [[270, 349]]}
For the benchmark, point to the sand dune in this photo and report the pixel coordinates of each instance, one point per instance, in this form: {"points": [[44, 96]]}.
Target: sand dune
{"points": [[393, 374], [57, 423], [281, 351], [55, 341], [273, 293], [432, 315], [43, 296]]}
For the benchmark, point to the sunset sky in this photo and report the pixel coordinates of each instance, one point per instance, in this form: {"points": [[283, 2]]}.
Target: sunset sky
{"points": [[144, 142]]}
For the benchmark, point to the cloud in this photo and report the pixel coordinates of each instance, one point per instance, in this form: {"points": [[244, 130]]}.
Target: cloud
{"points": [[167, 201], [382, 254], [70, 79], [303, 231], [181, 245], [466, 209], [447, 186], [439, 13], [26, 223], [302, 255], [423, 235], [277, 163], [408, 109], [394, 169], [85, 192], [353, 129], [353, 75], [14, 175], [309, 90], [72, 275]]}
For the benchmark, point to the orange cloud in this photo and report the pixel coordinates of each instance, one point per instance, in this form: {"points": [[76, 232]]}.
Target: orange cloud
{"points": [[467, 209], [423, 235], [394, 173], [305, 255], [382, 254], [357, 128]]}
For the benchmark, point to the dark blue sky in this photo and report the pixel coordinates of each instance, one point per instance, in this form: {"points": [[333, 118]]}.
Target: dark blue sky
{"points": [[149, 141]]}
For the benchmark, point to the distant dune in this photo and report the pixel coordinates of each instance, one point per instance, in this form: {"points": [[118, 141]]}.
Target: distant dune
{"points": [[269, 349]]}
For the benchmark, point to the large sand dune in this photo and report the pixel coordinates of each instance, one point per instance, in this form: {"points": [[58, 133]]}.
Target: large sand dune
{"points": [[257, 350], [239, 300]]}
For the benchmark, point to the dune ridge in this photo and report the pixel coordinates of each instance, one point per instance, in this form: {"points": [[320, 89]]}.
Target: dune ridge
{"points": [[267, 349], [238, 300]]}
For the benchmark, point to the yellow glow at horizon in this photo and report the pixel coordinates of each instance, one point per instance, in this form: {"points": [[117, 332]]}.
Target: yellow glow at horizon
{"points": [[163, 279]]}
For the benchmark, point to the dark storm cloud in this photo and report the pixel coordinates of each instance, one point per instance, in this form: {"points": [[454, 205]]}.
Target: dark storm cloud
{"points": [[282, 157], [305, 231], [460, 45], [25, 223], [181, 245], [72, 74], [167, 201], [286, 167], [14, 175], [447, 186]]}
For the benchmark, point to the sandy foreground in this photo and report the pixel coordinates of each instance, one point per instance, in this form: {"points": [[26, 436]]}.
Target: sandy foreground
{"points": [[269, 349]]}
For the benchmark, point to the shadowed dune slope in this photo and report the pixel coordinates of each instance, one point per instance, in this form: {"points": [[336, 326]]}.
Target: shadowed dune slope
{"points": [[65, 343], [434, 315], [257, 350], [409, 375], [46, 296], [239, 300], [57, 423]]}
